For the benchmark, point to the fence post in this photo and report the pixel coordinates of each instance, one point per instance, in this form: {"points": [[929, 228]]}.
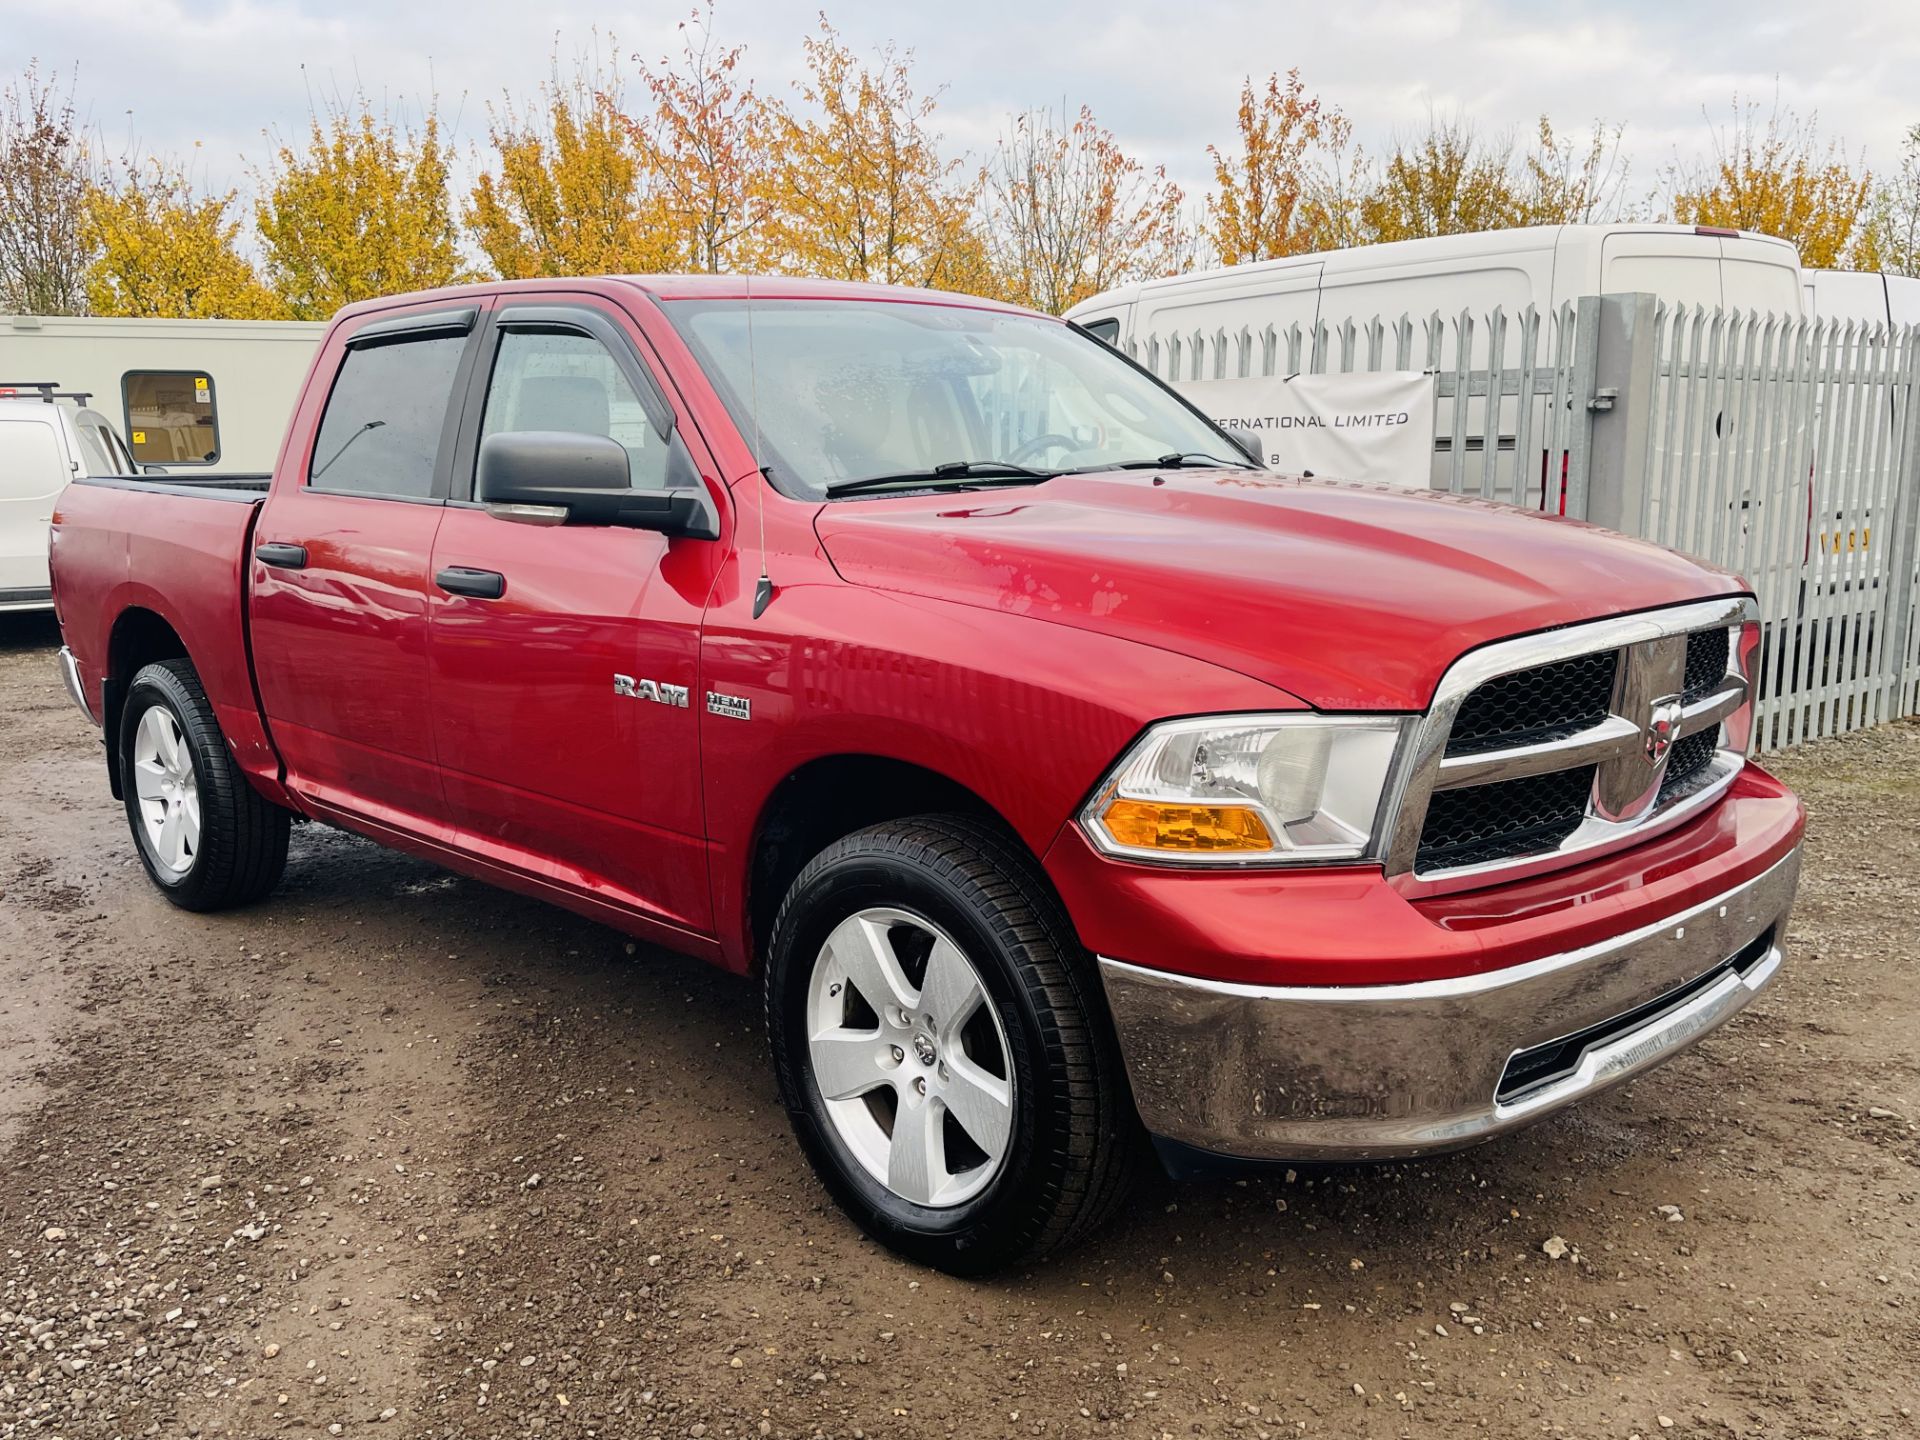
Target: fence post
{"points": [[1615, 370], [1902, 598]]}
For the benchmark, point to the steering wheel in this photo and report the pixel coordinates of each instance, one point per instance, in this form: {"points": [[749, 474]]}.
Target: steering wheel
{"points": [[1039, 445]]}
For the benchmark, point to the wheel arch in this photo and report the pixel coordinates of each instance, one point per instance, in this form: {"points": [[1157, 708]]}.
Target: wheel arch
{"points": [[139, 637], [829, 797]]}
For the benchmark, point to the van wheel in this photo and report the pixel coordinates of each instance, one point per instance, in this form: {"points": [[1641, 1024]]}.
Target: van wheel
{"points": [[942, 1049], [207, 838]]}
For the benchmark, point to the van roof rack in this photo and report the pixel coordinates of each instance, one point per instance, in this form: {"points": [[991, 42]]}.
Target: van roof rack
{"points": [[48, 390]]}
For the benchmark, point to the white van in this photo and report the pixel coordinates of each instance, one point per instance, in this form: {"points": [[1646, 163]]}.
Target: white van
{"points": [[195, 396], [1544, 266], [1863, 295], [47, 437]]}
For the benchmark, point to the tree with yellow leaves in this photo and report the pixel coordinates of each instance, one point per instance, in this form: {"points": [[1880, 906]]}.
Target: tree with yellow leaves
{"points": [[710, 138], [570, 192], [361, 210], [1072, 214], [1563, 181], [158, 248], [1275, 190], [1446, 181], [862, 191], [1773, 175]]}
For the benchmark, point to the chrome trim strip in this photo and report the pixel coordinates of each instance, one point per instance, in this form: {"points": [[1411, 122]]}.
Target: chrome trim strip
{"points": [[1595, 837], [1375, 1071], [1612, 736], [77, 692], [1713, 708]]}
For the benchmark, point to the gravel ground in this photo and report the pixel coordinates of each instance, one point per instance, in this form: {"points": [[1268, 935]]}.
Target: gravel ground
{"points": [[398, 1154]]}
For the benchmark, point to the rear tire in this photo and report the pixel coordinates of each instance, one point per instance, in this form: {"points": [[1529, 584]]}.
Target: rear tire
{"points": [[208, 839], [911, 964]]}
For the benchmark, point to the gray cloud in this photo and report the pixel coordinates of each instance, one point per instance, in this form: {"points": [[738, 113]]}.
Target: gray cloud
{"points": [[205, 79]]}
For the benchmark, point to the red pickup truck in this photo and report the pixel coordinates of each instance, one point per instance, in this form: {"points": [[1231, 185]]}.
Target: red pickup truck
{"points": [[1065, 779]]}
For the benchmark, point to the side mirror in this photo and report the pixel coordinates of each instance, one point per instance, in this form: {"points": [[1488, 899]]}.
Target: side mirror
{"points": [[555, 477], [153, 470], [1249, 442]]}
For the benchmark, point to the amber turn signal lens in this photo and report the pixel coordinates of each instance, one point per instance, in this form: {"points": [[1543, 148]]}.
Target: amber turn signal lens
{"points": [[1148, 825]]}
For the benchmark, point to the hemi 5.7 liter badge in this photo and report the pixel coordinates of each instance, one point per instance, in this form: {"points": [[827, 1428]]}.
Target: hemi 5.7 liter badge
{"points": [[734, 707]]}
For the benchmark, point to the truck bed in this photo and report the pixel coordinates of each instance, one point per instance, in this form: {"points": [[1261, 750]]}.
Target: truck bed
{"points": [[247, 487], [141, 550]]}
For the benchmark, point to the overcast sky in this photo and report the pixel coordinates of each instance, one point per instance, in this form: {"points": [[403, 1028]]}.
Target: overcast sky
{"points": [[207, 77]]}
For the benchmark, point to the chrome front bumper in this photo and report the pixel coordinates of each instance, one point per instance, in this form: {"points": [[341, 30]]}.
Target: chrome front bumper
{"points": [[70, 676], [1374, 1072]]}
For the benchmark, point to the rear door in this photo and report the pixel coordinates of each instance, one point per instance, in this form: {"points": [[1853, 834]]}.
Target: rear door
{"points": [[340, 578], [565, 659], [1694, 270], [34, 469], [1680, 269]]}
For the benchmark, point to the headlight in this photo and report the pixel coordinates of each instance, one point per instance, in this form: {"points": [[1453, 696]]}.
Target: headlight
{"points": [[1249, 789]]}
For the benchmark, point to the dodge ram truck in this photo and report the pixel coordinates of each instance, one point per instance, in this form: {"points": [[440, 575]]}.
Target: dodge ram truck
{"points": [[1076, 791]]}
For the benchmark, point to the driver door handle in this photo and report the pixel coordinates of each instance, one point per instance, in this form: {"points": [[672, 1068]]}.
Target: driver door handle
{"points": [[480, 584], [281, 557]]}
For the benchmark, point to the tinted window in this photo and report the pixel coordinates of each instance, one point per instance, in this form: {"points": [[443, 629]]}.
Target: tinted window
{"points": [[1107, 330], [570, 382], [381, 432], [171, 418]]}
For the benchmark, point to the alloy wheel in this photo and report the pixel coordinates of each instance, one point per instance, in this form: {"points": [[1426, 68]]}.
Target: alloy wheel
{"points": [[168, 790], [910, 1058]]}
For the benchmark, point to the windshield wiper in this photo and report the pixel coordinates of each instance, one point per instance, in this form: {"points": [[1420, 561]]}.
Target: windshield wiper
{"points": [[1176, 460], [959, 471]]}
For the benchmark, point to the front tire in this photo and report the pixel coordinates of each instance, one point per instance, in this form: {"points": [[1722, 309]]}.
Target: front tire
{"points": [[941, 1047], [207, 838]]}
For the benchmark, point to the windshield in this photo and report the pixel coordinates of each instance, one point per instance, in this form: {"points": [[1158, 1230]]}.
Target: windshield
{"points": [[847, 390]]}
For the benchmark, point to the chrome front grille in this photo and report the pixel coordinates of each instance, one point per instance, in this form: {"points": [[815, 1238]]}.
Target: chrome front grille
{"points": [[1546, 702], [1541, 749]]}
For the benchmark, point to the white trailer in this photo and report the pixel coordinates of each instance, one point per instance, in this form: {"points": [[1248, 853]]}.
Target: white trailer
{"points": [[188, 395]]}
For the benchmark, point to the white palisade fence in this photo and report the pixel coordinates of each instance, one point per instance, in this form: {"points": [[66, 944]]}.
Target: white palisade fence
{"points": [[1785, 449]]}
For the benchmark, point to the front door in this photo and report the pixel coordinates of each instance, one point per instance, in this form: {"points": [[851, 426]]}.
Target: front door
{"points": [[564, 659], [340, 581]]}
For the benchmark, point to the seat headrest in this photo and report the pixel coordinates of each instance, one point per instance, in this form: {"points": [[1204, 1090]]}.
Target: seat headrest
{"points": [[563, 402]]}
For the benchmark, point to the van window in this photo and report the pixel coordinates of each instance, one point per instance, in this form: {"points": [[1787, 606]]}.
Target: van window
{"points": [[1107, 330], [1690, 280], [96, 458], [381, 431], [171, 416], [30, 463], [1757, 286]]}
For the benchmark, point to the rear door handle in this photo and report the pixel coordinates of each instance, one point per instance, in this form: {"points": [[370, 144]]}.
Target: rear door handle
{"points": [[481, 584], [283, 557]]}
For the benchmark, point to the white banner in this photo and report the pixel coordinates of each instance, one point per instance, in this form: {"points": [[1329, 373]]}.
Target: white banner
{"points": [[1374, 426]]}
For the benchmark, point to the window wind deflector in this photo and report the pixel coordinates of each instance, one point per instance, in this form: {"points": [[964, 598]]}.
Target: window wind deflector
{"points": [[953, 472], [416, 326]]}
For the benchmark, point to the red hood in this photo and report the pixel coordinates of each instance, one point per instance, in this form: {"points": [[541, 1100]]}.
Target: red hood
{"points": [[1349, 597]]}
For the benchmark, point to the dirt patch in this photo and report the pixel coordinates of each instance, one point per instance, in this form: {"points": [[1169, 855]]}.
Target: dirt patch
{"points": [[396, 1153]]}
